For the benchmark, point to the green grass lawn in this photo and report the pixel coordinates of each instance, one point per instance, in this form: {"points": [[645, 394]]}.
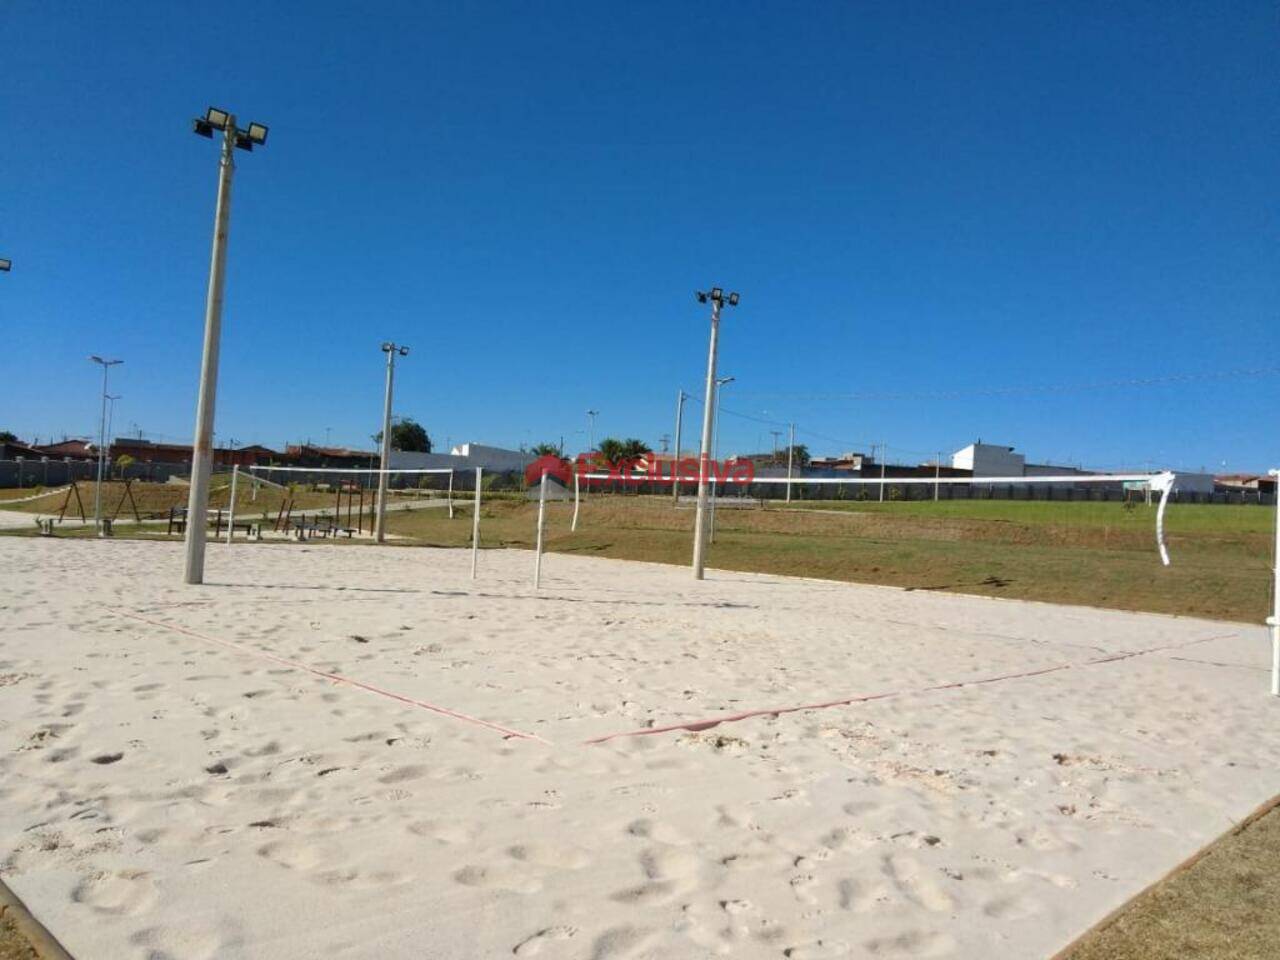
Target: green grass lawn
{"points": [[1096, 554]]}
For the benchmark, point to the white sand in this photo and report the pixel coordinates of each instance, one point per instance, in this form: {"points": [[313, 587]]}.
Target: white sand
{"points": [[348, 824]]}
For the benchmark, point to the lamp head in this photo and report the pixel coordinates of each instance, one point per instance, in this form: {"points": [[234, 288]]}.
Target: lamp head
{"points": [[257, 133], [733, 299], [702, 297], [5, 265], [217, 119], [404, 351], [388, 347], [717, 293]]}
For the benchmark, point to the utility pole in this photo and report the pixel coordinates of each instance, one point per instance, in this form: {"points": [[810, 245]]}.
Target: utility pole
{"points": [[791, 452], [884, 455], [202, 446], [776, 434], [937, 472], [392, 350], [675, 464], [717, 298], [591, 430], [111, 415], [102, 442], [720, 382]]}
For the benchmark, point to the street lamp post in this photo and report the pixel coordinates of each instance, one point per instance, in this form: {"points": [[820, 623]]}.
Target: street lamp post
{"points": [[392, 350], [717, 299], [711, 532], [102, 442], [591, 430], [791, 450], [675, 463], [202, 445], [111, 415]]}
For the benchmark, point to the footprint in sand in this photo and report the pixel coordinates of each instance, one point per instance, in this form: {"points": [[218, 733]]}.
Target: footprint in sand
{"points": [[445, 831], [913, 882], [562, 856], [499, 877], [127, 892], [533, 945], [913, 943]]}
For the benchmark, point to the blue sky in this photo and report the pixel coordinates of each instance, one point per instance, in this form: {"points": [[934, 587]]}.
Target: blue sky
{"points": [[923, 205]]}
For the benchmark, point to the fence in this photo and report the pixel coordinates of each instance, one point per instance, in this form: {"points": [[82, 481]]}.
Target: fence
{"points": [[56, 473]]}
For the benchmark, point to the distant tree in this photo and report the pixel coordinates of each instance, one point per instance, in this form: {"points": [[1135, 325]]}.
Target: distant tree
{"points": [[633, 449], [123, 462], [407, 435], [545, 449], [7, 436], [799, 455], [610, 449]]}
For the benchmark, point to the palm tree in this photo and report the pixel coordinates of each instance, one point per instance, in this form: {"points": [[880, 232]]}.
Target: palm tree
{"points": [[611, 449], [633, 449], [545, 449]]}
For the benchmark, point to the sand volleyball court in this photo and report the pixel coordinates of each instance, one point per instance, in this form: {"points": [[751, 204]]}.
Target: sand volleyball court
{"points": [[351, 752]]}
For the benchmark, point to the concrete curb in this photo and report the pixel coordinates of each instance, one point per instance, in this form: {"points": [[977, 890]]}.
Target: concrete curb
{"points": [[42, 941]]}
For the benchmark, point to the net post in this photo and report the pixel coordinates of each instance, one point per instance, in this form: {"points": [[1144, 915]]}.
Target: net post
{"points": [[573, 527], [475, 526], [1273, 621], [542, 512], [450, 495], [231, 517]]}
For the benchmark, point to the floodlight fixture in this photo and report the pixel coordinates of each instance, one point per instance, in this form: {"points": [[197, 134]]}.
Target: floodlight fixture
{"points": [[243, 142], [202, 128], [717, 293], [258, 133], [404, 351], [702, 297], [387, 346], [733, 299], [217, 119], [5, 266]]}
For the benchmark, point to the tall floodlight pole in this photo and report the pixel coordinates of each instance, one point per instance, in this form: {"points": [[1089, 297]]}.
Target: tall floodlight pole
{"points": [[717, 298], [202, 446], [884, 456], [791, 450], [102, 441], [392, 350], [675, 463], [715, 457], [591, 430]]}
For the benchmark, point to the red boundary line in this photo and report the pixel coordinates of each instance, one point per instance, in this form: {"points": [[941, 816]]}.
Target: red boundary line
{"points": [[336, 677], [699, 725]]}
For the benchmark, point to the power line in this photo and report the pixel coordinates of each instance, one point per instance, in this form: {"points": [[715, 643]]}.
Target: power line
{"points": [[1033, 389]]}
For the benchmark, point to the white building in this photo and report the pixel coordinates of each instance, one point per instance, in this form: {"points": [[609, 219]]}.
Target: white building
{"points": [[466, 456], [989, 460]]}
